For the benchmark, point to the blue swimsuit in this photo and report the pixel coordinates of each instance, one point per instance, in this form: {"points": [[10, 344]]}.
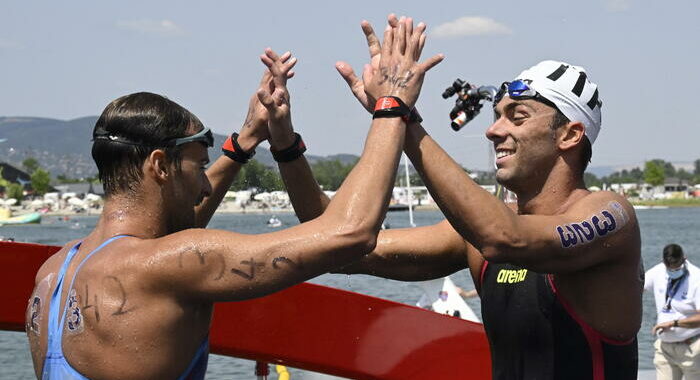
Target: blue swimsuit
{"points": [[56, 366]]}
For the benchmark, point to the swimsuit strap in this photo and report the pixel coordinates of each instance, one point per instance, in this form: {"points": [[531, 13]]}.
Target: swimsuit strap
{"points": [[54, 303], [65, 306], [196, 364]]}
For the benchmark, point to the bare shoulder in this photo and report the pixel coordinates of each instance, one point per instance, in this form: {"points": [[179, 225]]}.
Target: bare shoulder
{"points": [[53, 263], [611, 218], [607, 203]]}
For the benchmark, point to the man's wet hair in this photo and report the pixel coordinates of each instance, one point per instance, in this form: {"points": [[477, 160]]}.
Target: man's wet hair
{"points": [[559, 120], [129, 129], [673, 255]]}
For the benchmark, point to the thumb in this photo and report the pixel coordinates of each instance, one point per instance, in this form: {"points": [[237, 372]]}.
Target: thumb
{"points": [[347, 73]]}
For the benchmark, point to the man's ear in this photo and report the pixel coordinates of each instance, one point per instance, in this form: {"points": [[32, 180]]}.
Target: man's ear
{"points": [[570, 135], [157, 166]]}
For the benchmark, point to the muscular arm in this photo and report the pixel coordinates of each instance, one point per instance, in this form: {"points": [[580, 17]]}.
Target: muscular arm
{"points": [[418, 254], [608, 227], [219, 265]]}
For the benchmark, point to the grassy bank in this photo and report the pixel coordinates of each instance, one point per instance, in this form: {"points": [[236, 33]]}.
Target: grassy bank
{"points": [[690, 202]]}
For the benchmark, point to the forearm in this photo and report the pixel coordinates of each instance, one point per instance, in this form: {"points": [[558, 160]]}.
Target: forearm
{"points": [[690, 322], [364, 196], [479, 217], [414, 254], [307, 198]]}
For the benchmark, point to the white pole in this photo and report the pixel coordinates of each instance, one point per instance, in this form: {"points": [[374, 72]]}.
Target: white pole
{"points": [[409, 192]]}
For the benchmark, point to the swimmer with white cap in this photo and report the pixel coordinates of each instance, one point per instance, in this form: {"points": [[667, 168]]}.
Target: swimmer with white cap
{"points": [[559, 275]]}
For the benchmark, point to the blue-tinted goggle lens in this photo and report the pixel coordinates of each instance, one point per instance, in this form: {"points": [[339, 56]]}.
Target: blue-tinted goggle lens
{"points": [[519, 88]]}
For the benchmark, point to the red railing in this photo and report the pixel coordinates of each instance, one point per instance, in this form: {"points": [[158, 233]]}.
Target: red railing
{"points": [[307, 326]]}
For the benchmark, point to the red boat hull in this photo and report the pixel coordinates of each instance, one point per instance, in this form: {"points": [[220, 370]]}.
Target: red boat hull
{"points": [[308, 326]]}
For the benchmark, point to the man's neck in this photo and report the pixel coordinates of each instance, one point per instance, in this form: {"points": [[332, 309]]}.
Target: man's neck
{"points": [[125, 215], [558, 192]]}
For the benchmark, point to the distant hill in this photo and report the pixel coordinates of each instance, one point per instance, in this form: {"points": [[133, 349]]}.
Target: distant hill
{"points": [[63, 146], [602, 171]]}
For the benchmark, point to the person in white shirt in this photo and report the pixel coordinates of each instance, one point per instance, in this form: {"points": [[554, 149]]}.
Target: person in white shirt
{"points": [[676, 287]]}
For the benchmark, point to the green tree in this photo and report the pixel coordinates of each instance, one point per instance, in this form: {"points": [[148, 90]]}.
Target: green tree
{"points": [[40, 181], [14, 190], [331, 174], [30, 164], [256, 175], [654, 173], [697, 167], [591, 179]]}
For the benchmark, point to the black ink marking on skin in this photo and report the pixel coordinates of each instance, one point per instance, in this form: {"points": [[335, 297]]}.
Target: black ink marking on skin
{"points": [[97, 310], [284, 260], [87, 305], [394, 78], [123, 298], [87, 298], [199, 254], [251, 275]]}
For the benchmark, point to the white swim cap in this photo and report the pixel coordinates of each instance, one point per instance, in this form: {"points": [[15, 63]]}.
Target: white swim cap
{"points": [[570, 90]]}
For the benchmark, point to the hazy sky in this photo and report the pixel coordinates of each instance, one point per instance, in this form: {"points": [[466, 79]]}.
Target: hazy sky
{"points": [[69, 59]]}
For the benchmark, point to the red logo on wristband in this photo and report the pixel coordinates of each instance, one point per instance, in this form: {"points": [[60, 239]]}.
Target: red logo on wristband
{"points": [[385, 103]]}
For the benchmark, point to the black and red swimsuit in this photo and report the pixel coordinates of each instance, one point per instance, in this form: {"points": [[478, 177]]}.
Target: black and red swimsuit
{"points": [[534, 334]]}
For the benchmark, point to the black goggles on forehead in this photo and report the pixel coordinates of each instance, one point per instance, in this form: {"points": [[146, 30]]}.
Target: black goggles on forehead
{"points": [[204, 136], [519, 90]]}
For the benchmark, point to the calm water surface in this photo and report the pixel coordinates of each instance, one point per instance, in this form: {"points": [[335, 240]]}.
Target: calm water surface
{"points": [[659, 227]]}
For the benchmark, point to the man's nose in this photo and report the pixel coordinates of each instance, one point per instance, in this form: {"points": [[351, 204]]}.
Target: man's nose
{"points": [[497, 130]]}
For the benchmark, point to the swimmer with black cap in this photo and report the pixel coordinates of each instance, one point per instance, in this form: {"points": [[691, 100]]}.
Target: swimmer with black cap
{"points": [[134, 298]]}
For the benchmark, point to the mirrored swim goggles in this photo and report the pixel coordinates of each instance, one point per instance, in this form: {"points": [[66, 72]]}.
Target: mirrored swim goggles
{"points": [[520, 90], [204, 136]]}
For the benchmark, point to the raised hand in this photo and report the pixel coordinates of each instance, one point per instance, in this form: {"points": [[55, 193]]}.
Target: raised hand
{"points": [[254, 129], [356, 85], [275, 98], [399, 73]]}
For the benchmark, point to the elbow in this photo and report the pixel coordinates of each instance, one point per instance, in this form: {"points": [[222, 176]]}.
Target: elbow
{"points": [[502, 246], [357, 237]]}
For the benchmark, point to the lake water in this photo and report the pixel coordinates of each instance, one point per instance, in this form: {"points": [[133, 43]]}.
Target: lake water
{"points": [[658, 226]]}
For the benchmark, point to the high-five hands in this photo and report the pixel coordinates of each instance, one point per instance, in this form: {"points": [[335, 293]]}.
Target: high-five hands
{"points": [[405, 42], [254, 129], [275, 98]]}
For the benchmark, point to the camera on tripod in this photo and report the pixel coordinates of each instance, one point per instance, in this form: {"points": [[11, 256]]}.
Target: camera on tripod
{"points": [[469, 101]]}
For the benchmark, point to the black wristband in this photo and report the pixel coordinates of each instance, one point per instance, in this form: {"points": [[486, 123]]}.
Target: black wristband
{"points": [[414, 116], [292, 153], [234, 151], [675, 323], [391, 106]]}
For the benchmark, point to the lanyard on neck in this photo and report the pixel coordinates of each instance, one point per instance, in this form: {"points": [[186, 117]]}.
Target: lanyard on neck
{"points": [[672, 289]]}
